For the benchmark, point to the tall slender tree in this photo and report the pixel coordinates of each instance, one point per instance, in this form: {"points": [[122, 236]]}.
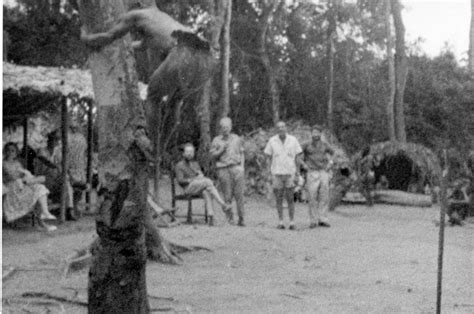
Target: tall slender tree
{"points": [[225, 59], [217, 13], [268, 11], [471, 41], [330, 51], [401, 71], [391, 72]]}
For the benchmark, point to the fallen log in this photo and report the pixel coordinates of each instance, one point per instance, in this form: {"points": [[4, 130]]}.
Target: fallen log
{"points": [[397, 197]]}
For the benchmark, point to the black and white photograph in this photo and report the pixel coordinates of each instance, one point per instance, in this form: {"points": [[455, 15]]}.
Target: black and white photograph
{"points": [[237, 156]]}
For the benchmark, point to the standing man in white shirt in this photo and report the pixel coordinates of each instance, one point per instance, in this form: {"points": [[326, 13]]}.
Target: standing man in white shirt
{"points": [[283, 150]]}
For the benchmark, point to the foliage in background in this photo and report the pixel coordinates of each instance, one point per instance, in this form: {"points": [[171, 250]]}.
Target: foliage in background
{"points": [[439, 96], [43, 32]]}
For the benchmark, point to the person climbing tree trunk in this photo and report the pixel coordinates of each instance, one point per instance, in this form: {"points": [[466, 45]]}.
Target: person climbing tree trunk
{"points": [[117, 282], [391, 73], [471, 41], [225, 59], [401, 71], [264, 24]]}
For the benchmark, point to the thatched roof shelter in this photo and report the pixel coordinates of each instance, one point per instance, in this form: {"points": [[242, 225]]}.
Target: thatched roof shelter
{"points": [[27, 89], [405, 165]]}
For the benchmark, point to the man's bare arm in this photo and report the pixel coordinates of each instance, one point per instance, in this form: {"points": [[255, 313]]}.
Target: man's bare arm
{"points": [[99, 40], [300, 162]]}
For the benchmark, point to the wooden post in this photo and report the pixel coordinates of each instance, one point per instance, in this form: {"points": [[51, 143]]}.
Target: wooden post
{"points": [[25, 141], [442, 218], [89, 153], [65, 157]]}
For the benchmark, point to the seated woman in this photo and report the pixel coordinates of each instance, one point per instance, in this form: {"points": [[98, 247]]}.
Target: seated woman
{"points": [[50, 166], [193, 181], [23, 190]]}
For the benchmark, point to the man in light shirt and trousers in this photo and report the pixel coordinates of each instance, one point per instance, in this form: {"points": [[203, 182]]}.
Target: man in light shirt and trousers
{"points": [[283, 150], [317, 163], [228, 151]]}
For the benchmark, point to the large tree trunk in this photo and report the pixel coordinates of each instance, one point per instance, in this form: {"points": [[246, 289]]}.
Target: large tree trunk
{"points": [[217, 11], [471, 41], [117, 282], [391, 74], [401, 71], [264, 23], [225, 60], [330, 57]]}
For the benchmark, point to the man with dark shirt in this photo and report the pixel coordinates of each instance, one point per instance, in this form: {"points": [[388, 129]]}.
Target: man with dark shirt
{"points": [[317, 163], [193, 181]]}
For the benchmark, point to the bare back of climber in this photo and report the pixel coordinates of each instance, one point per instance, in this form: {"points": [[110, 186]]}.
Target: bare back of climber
{"points": [[180, 61]]}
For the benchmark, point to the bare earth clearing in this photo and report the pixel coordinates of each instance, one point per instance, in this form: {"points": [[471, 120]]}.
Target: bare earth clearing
{"points": [[379, 260]]}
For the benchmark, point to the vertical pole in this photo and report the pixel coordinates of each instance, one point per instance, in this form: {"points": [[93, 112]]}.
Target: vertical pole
{"points": [[65, 157], [441, 232], [90, 104], [25, 141]]}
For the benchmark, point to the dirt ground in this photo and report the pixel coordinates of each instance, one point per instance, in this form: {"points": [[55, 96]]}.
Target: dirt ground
{"points": [[372, 260]]}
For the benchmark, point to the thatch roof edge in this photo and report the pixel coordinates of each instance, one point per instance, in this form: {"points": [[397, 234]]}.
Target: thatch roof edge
{"points": [[53, 80]]}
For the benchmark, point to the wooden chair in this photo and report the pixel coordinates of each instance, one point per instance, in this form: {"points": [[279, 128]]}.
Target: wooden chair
{"points": [[186, 198]]}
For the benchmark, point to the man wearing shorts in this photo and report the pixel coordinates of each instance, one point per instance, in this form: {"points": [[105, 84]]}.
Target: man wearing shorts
{"points": [[283, 150], [192, 180]]}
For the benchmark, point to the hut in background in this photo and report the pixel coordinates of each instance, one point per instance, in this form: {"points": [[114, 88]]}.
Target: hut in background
{"points": [[407, 167]]}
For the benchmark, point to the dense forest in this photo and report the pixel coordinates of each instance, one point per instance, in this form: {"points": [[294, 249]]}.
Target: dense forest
{"points": [[323, 63]]}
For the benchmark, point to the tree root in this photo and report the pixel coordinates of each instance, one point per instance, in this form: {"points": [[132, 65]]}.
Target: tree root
{"points": [[158, 249], [44, 295], [185, 249]]}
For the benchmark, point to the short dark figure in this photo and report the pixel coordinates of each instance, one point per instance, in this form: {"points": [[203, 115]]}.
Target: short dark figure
{"points": [[367, 175]]}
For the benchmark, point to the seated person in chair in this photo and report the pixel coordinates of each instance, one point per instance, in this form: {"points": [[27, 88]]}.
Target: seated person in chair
{"points": [[50, 166], [192, 180], [23, 192]]}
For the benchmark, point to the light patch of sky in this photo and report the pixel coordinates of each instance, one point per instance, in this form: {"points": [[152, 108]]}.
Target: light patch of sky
{"points": [[439, 22]]}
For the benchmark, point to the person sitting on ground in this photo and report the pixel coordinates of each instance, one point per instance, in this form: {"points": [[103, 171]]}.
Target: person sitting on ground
{"points": [[23, 190], [190, 177], [50, 167]]}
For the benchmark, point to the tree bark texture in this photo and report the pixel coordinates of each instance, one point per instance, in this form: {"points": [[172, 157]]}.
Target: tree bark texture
{"points": [[225, 60], [471, 41], [391, 73], [65, 158], [330, 57], [401, 71], [264, 23], [217, 11], [204, 115], [117, 282]]}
